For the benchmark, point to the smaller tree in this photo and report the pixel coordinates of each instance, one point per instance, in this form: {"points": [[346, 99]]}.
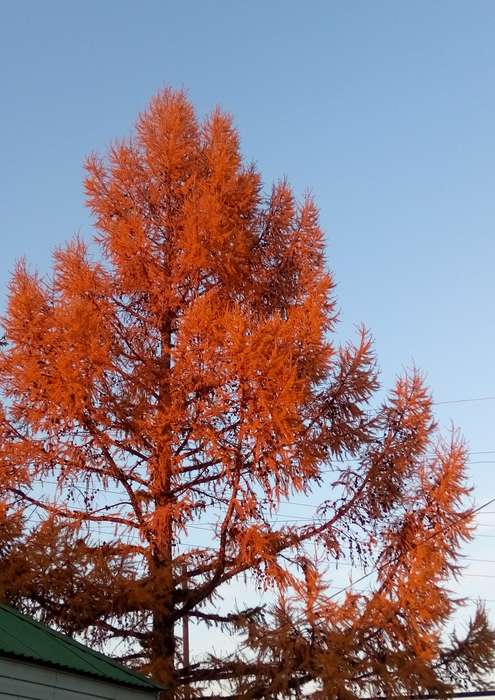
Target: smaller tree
{"points": [[189, 374]]}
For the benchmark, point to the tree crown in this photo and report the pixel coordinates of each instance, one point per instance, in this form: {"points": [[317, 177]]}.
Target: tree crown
{"points": [[190, 373]]}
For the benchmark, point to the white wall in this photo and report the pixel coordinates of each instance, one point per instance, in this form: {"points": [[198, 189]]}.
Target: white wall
{"points": [[21, 680]]}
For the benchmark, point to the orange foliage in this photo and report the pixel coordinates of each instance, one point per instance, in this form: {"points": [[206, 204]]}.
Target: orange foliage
{"points": [[188, 373]]}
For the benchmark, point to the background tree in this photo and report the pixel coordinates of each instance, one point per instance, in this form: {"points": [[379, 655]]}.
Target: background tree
{"points": [[187, 373]]}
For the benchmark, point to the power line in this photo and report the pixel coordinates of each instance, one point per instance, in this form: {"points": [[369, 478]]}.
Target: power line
{"points": [[375, 569], [434, 534], [471, 400], [50, 482], [208, 526], [98, 530]]}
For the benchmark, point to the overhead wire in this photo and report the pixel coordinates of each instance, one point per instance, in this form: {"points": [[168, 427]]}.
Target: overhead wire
{"points": [[375, 570], [96, 529], [362, 578], [432, 536], [470, 400]]}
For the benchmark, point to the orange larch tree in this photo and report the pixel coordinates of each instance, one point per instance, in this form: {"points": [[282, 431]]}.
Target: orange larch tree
{"points": [[187, 372]]}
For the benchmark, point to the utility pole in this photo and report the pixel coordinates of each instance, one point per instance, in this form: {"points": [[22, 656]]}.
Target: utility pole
{"points": [[185, 635]]}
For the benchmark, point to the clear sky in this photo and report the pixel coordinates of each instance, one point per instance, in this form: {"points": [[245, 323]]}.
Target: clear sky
{"points": [[383, 109]]}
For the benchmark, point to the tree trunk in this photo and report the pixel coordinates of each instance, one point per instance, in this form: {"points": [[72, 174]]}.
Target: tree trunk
{"points": [[163, 582], [163, 638]]}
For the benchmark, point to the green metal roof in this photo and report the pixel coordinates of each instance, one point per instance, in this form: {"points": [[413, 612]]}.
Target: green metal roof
{"points": [[23, 637]]}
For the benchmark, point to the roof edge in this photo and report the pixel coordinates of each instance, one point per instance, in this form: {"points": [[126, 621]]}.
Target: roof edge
{"points": [[136, 680]]}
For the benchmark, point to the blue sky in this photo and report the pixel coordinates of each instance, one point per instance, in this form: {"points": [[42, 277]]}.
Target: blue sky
{"points": [[384, 110]]}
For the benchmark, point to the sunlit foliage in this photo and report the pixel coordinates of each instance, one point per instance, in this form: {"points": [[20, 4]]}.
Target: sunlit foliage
{"points": [[185, 370]]}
